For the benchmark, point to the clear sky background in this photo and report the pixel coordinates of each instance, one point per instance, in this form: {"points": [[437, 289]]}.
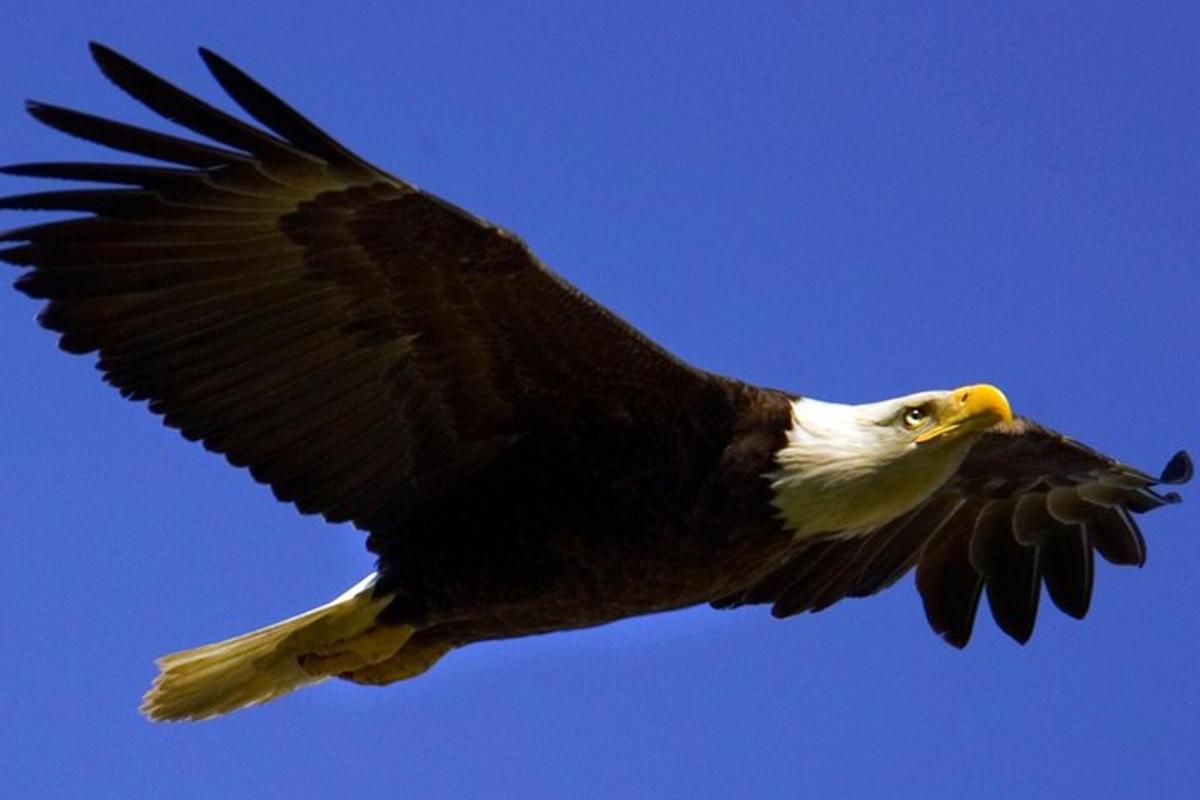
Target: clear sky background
{"points": [[853, 201]]}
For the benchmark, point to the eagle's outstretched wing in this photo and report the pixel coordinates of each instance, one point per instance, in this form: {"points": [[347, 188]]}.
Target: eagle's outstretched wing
{"points": [[1027, 506], [355, 342]]}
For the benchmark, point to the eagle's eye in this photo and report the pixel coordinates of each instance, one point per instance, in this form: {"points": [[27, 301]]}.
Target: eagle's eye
{"points": [[914, 417]]}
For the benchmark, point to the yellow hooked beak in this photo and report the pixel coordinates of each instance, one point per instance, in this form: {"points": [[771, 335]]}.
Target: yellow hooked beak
{"points": [[969, 408]]}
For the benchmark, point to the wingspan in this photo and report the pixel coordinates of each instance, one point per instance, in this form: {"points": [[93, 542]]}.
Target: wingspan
{"points": [[358, 344]]}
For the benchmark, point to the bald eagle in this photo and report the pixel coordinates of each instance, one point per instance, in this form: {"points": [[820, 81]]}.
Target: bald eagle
{"points": [[521, 459]]}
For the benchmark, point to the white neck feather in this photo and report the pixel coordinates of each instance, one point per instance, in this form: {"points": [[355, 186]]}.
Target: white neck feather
{"points": [[843, 472]]}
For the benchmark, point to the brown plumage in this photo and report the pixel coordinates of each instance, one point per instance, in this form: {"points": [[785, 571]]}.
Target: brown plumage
{"points": [[522, 460]]}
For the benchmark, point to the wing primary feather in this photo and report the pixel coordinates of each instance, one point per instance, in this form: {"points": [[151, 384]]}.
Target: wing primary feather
{"points": [[179, 106], [1068, 568], [148, 177], [1010, 569], [1032, 522], [277, 115], [1178, 470], [1116, 537], [130, 138], [950, 587]]}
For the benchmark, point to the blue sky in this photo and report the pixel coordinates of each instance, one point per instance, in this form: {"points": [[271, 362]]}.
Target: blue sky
{"points": [[852, 201]]}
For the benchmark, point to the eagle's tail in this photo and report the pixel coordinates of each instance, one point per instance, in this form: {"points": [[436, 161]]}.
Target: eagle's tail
{"points": [[339, 637]]}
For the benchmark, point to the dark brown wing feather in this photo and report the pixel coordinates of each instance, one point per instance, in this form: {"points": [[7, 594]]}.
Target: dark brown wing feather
{"points": [[1028, 506], [356, 343]]}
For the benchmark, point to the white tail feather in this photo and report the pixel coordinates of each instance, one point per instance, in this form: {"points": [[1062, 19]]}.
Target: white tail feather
{"points": [[264, 664]]}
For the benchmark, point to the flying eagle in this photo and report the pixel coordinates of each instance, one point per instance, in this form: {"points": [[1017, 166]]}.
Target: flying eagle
{"points": [[521, 459]]}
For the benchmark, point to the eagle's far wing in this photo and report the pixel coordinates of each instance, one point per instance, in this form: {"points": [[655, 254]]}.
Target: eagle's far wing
{"points": [[355, 342], [1028, 506]]}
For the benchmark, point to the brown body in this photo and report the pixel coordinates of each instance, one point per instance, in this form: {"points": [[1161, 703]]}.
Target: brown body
{"points": [[560, 533]]}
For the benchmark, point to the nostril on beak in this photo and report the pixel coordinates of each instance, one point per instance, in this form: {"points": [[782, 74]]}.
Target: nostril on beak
{"points": [[963, 395]]}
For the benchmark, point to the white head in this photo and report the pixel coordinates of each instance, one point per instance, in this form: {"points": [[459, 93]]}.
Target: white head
{"points": [[850, 468]]}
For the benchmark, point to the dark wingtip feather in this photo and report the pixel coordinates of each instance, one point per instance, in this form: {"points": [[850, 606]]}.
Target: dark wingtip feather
{"points": [[1014, 619], [22, 283], [266, 107], [129, 138], [958, 638], [37, 109], [101, 51], [116, 66], [1178, 470], [951, 600], [113, 64]]}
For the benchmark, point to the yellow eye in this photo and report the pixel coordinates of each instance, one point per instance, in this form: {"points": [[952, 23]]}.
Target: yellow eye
{"points": [[914, 417]]}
